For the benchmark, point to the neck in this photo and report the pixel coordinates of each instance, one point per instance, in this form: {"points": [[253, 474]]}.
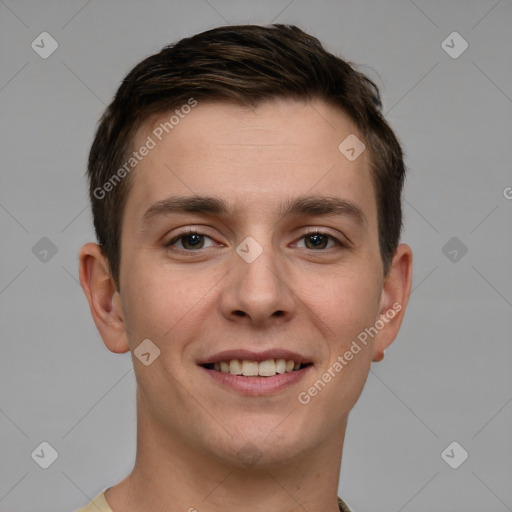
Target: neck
{"points": [[169, 475]]}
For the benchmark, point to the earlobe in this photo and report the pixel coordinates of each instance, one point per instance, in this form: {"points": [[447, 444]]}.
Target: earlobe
{"points": [[378, 356], [395, 296], [104, 300]]}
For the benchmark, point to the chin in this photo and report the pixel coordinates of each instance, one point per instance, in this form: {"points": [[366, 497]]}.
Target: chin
{"points": [[263, 448]]}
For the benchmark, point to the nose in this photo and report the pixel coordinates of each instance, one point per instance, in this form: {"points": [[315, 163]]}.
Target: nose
{"points": [[258, 293]]}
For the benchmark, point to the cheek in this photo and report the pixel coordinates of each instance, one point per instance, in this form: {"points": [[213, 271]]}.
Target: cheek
{"points": [[362, 308], [146, 304], [351, 302], [352, 305], [153, 305], [160, 301]]}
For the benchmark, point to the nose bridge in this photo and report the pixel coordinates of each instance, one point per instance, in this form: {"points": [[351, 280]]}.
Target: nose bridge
{"points": [[260, 267], [257, 284]]}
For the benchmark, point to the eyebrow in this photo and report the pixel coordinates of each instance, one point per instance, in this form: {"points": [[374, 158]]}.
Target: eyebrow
{"points": [[314, 206]]}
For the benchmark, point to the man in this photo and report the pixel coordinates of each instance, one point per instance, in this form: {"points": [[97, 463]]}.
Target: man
{"points": [[246, 194]]}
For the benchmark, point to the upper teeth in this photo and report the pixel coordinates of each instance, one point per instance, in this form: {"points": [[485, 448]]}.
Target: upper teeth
{"points": [[248, 368]]}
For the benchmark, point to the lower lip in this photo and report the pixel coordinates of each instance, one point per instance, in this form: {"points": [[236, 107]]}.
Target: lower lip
{"points": [[257, 386]]}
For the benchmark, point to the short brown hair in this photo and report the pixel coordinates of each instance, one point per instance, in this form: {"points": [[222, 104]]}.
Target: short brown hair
{"points": [[246, 65]]}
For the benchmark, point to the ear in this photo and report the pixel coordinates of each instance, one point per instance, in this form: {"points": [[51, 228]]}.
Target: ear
{"points": [[104, 300], [394, 299]]}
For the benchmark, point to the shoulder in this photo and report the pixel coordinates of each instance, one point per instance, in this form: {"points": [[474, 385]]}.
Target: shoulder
{"points": [[98, 504], [343, 506]]}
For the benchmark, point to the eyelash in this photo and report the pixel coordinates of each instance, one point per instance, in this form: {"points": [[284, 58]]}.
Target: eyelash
{"points": [[168, 245]]}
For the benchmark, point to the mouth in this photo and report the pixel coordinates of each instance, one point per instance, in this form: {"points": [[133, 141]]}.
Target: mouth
{"points": [[252, 368], [253, 373]]}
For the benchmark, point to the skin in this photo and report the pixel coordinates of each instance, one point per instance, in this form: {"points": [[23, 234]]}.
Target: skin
{"points": [[197, 303]]}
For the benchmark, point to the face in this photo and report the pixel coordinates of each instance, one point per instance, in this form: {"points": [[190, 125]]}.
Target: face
{"points": [[283, 263]]}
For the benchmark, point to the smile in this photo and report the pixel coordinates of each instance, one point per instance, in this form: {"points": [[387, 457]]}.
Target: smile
{"points": [[250, 368]]}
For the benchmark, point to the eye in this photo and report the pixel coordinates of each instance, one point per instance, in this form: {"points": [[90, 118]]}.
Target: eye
{"points": [[316, 240], [189, 240], [192, 241]]}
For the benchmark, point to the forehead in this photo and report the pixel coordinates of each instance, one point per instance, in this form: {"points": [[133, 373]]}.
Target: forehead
{"points": [[250, 156]]}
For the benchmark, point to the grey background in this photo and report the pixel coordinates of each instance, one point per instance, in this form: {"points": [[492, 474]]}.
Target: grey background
{"points": [[447, 376]]}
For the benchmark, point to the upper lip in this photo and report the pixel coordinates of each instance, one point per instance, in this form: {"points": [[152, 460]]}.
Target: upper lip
{"points": [[228, 355]]}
